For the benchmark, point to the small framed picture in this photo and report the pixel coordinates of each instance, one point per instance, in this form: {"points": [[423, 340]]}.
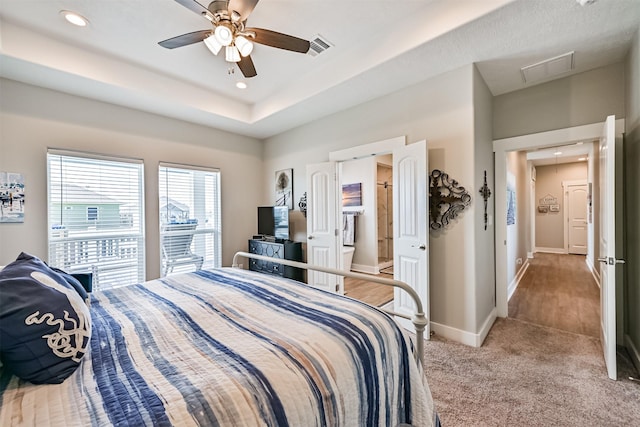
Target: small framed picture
{"points": [[284, 188]]}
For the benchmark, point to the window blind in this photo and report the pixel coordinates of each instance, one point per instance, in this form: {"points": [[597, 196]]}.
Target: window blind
{"points": [[190, 235], [96, 217]]}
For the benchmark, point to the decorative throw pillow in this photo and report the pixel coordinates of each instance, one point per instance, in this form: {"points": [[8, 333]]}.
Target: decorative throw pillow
{"points": [[45, 326]]}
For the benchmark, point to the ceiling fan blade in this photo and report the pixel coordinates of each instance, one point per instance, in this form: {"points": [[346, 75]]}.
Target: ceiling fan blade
{"points": [[247, 68], [194, 6], [243, 7], [185, 39], [279, 40]]}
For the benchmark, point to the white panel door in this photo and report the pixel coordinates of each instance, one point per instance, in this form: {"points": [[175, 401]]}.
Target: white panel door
{"points": [[322, 235], [577, 218], [410, 227], [608, 246]]}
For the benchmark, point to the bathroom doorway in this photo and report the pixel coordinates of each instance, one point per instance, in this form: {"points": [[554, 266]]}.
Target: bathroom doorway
{"points": [[385, 216]]}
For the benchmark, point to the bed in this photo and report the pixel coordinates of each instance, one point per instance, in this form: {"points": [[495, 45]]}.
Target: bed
{"points": [[230, 347]]}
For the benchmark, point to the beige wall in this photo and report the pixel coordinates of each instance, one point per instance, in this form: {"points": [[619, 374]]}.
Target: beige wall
{"points": [[483, 161], [517, 233], [550, 225], [440, 110], [632, 193], [580, 99], [33, 119]]}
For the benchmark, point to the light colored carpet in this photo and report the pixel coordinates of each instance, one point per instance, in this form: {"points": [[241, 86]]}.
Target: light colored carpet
{"points": [[529, 375]]}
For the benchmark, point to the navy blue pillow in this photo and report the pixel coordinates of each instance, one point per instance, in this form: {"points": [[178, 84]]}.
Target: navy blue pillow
{"points": [[45, 326]]}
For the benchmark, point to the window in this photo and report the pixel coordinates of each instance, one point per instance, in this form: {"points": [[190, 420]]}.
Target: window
{"points": [[96, 221], [190, 236], [92, 213]]}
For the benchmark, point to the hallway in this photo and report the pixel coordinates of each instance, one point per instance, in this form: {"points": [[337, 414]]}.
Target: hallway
{"points": [[558, 291]]}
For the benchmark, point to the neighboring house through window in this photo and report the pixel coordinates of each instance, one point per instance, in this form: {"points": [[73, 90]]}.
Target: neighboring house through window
{"points": [[190, 236], [92, 213], [96, 217]]}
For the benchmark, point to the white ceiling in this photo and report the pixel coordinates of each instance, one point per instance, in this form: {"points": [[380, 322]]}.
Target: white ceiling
{"points": [[571, 152], [379, 47]]}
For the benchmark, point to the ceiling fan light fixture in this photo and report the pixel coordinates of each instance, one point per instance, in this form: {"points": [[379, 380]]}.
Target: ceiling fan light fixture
{"points": [[232, 54], [224, 35], [244, 46], [212, 43]]}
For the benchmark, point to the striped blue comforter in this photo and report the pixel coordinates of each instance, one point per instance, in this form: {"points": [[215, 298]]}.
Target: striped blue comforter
{"points": [[230, 347]]}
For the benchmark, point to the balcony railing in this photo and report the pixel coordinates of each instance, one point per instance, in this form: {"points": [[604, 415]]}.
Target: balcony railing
{"points": [[115, 258]]}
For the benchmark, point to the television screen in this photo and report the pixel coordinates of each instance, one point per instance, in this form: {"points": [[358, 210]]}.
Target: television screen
{"points": [[281, 222], [273, 221]]}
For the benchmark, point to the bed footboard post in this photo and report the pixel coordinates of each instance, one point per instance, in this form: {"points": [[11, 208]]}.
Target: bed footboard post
{"points": [[420, 323]]}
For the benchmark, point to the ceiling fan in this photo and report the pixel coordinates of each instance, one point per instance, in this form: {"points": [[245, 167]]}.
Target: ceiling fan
{"points": [[229, 18]]}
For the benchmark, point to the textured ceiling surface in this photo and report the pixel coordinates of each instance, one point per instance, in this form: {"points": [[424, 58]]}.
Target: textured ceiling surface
{"points": [[378, 47]]}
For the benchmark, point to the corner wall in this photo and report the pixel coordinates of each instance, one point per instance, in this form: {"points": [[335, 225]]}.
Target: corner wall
{"points": [[485, 274], [550, 225], [632, 200], [33, 119], [440, 110]]}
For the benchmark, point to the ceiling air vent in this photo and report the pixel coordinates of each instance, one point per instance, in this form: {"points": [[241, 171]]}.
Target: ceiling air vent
{"points": [[318, 45], [548, 68]]}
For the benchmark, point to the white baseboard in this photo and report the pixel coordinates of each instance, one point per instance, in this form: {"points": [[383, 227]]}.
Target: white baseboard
{"points": [[465, 337], [633, 352], [516, 280], [551, 250], [366, 269], [594, 271], [529, 255]]}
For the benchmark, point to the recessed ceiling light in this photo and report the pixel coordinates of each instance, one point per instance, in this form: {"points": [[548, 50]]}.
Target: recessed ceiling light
{"points": [[241, 85], [557, 153], [579, 143], [582, 159], [74, 18]]}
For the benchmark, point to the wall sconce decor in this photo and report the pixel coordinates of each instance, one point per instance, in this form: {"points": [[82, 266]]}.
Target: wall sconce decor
{"points": [[302, 204], [486, 193], [446, 199]]}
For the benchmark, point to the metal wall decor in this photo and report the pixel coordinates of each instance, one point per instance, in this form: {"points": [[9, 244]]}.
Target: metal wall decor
{"points": [[446, 199], [302, 204], [486, 193]]}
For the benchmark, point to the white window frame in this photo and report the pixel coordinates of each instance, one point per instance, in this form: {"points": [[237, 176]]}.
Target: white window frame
{"points": [[115, 255], [201, 231]]}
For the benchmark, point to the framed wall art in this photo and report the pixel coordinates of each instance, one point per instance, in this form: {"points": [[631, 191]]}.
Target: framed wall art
{"points": [[352, 194], [11, 197], [284, 188]]}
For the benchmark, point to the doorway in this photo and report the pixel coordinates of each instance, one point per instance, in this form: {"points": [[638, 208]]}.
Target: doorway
{"points": [[576, 196], [411, 245], [384, 215], [606, 137]]}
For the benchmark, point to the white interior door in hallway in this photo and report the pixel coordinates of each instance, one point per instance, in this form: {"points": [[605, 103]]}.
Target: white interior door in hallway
{"points": [[575, 217]]}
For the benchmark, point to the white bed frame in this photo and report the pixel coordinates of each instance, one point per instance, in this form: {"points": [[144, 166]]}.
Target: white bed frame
{"points": [[419, 319]]}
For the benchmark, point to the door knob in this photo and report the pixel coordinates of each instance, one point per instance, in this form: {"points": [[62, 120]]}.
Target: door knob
{"points": [[309, 237], [611, 260], [422, 247]]}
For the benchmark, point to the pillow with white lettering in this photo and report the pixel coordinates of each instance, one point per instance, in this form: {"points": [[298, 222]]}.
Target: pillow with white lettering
{"points": [[45, 326]]}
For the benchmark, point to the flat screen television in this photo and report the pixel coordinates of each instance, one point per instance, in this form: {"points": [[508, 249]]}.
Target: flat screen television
{"points": [[273, 221]]}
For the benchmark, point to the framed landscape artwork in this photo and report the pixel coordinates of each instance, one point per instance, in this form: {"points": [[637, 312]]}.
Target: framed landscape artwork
{"points": [[352, 194], [11, 197]]}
